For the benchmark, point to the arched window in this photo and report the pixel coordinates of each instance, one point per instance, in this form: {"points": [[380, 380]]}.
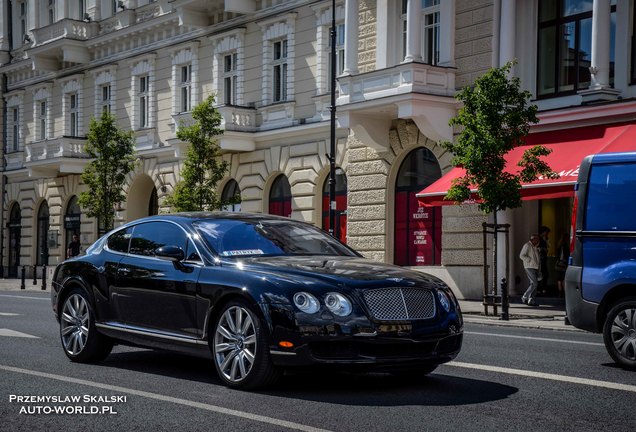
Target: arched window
{"points": [[72, 219], [42, 253], [15, 234], [153, 203], [280, 197], [340, 226], [230, 191], [418, 230]]}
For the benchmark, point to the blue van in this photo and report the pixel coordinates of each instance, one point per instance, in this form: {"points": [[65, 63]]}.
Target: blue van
{"points": [[600, 282]]}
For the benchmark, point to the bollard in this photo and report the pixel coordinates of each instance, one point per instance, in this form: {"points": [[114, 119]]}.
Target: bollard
{"points": [[44, 277], [35, 271], [504, 301], [22, 279]]}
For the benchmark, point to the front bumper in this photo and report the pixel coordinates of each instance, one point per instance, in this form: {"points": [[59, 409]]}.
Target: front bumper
{"points": [[362, 344]]}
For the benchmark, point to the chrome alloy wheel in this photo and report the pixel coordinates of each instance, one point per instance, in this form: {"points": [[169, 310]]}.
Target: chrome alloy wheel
{"points": [[624, 333], [235, 344], [74, 324]]}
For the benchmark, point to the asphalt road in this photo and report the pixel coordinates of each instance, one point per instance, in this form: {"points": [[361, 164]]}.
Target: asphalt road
{"points": [[504, 379]]}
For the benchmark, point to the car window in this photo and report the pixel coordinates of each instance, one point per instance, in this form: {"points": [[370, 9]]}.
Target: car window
{"points": [[234, 238], [120, 240], [611, 198], [149, 236]]}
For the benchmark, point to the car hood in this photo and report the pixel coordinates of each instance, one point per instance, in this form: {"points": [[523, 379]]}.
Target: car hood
{"points": [[335, 270]]}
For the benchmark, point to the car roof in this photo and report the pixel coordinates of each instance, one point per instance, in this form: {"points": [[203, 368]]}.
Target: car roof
{"points": [[202, 216]]}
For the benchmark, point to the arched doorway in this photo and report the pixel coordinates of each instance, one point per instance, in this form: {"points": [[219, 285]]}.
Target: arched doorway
{"points": [[142, 198], [418, 230], [15, 234], [72, 219], [340, 228], [280, 197], [42, 252], [231, 190]]}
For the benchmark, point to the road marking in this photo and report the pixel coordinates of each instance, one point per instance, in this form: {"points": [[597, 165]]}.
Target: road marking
{"points": [[13, 333], [8, 314], [160, 397], [548, 376], [25, 297], [535, 338]]}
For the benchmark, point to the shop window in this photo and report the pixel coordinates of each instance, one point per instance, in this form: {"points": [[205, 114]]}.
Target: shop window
{"points": [[565, 46], [418, 230], [72, 219], [340, 226], [280, 197], [15, 235], [230, 191], [42, 253]]}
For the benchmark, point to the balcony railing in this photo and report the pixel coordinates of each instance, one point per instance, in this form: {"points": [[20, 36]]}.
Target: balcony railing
{"points": [[63, 147], [66, 28], [397, 80], [236, 118], [14, 160]]}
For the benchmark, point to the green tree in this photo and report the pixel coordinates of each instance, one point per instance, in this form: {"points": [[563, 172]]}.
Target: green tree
{"points": [[113, 154], [495, 118], [203, 167]]}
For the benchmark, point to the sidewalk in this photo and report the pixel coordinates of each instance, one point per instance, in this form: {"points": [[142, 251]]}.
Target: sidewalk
{"points": [[546, 316]]}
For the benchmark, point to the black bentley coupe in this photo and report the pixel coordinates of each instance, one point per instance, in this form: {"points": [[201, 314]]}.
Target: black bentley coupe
{"points": [[257, 293]]}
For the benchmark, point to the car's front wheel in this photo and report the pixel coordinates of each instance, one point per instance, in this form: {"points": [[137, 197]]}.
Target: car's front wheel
{"points": [[619, 332], [240, 348], [81, 341]]}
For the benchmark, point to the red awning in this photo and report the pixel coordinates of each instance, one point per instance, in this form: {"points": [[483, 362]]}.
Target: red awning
{"points": [[569, 147]]}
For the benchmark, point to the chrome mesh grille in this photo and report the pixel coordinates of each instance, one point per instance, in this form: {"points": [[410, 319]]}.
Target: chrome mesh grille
{"points": [[393, 304]]}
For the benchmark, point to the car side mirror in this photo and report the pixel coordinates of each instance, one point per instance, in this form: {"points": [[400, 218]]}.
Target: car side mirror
{"points": [[170, 253]]}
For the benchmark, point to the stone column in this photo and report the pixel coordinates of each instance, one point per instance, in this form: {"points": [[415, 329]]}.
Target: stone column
{"points": [[601, 15], [507, 31], [447, 33], [413, 31], [351, 38], [382, 32]]}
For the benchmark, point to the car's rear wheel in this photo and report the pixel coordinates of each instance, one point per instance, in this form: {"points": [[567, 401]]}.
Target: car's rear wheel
{"points": [[619, 332], [240, 348], [80, 339]]}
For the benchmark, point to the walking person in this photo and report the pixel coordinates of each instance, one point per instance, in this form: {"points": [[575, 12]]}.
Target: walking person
{"points": [[532, 264], [73, 247], [544, 246]]}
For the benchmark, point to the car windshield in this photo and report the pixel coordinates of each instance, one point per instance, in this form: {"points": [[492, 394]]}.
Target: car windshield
{"points": [[243, 238]]}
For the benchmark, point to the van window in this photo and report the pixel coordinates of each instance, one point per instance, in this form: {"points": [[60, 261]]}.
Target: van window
{"points": [[611, 198]]}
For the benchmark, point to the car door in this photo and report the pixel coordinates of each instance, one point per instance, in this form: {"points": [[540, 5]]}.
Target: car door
{"points": [[153, 293]]}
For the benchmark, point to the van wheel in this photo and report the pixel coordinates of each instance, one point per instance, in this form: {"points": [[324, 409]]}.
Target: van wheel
{"points": [[619, 332]]}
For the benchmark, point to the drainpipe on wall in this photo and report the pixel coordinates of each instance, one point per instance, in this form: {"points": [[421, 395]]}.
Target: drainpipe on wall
{"points": [[3, 178]]}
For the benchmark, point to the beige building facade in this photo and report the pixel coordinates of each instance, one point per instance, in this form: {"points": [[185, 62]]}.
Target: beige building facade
{"points": [[267, 62]]}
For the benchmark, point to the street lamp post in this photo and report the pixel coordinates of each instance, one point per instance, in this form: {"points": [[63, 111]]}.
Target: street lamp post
{"points": [[332, 146]]}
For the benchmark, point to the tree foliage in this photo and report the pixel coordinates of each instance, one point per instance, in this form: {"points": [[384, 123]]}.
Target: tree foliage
{"points": [[495, 118], [113, 154], [203, 167]]}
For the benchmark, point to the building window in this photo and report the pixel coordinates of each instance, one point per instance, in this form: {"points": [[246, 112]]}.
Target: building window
{"points": [[105, 98], [42, 114], [340, 49], [73, 115], [72, 220], [23, 21], [403, 28], [340, 226], [430, 34], [230, 78], [418, 230], [280, 70], [565, 47], [185, 88], [14, 127], [81, 10], [144, 101], [230, 191], [51, 11], [280, 197]]}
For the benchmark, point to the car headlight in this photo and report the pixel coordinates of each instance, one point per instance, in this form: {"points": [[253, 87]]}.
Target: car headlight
{"points": [[338, 304], [443, 300], [306, 302]]}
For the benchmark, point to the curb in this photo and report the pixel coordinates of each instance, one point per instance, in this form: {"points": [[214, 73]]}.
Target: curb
{"points": [[531, 323]]}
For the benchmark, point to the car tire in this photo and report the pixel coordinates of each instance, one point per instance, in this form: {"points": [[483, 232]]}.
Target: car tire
{"points": [[81, 341], [619, 332], [240, 348]]}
